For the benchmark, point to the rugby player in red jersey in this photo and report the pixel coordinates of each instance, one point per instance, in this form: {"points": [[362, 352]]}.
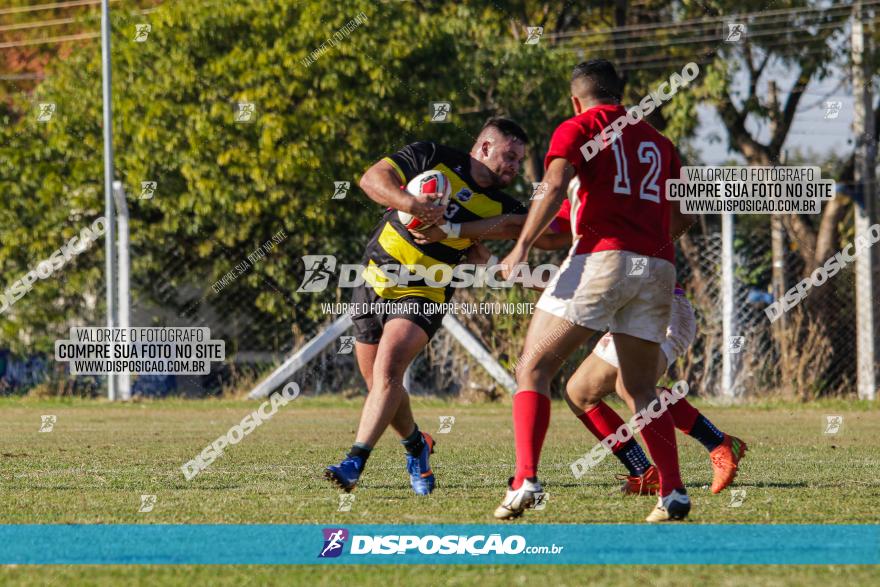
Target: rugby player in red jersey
{"points": [[620, 276], [596, 376]]}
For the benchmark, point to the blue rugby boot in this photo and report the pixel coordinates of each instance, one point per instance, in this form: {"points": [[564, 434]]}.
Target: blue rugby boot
{"points": [[421, 477], [346, 474]]}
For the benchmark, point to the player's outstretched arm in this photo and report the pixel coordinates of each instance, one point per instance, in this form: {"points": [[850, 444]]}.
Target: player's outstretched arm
{"points": [[504, 226], [501, 227], [509, 226], [553, 241], [550, 240], [382, 184], [541, 213]]}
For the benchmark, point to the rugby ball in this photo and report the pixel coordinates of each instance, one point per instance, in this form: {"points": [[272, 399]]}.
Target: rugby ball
{"points": [[428, 182]]}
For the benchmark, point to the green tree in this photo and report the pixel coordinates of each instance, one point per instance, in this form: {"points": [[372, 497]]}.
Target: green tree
{"points": [[225, 187]]}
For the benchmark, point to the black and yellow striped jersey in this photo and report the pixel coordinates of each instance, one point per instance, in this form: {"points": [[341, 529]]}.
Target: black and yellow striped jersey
{"points": [[392, 244]]}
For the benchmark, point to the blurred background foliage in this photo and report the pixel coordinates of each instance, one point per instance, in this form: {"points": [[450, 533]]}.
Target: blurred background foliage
{"points": [[223, 188]]}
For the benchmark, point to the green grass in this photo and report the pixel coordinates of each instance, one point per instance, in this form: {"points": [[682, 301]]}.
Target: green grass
{"points": [[442, 576], [99, 459]]}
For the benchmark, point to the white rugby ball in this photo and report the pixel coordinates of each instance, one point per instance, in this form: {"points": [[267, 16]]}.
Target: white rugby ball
{"points": [[428, 182]]}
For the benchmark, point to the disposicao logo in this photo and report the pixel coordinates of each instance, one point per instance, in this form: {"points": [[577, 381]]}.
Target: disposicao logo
{"points": [[334, 540], [408, 544]]}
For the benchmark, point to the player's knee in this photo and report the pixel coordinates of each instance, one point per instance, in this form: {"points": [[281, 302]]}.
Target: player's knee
{"points": [[635, 388], [583, 392], [586, 404], [575, 408], [573, 397], [532, 375], [386, 381]]}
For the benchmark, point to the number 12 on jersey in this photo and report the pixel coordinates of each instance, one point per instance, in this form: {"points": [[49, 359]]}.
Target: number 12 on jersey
{"points": [[649, 154]]}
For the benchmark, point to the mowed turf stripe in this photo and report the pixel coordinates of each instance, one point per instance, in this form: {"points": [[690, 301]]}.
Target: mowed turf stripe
{"points": [[100, 459]]}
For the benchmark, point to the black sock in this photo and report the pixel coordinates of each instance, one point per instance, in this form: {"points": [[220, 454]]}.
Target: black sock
{"points": [[360, 450], [704, 431], [633, 458], [414, 443]]}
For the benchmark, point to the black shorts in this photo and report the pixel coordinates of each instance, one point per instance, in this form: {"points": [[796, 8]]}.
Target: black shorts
{"points": [[372, 312]]}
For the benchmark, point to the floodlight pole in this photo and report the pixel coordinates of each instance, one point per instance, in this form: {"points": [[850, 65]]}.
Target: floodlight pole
{"points": [[867, 214], [124, 291], [728, 310], [110, 235]]}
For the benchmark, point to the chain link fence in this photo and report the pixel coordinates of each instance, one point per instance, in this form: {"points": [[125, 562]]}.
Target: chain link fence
{"points": [[809, 352]]}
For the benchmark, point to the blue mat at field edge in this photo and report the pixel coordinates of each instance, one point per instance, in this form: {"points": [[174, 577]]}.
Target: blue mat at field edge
{"points": [[785, 544]]}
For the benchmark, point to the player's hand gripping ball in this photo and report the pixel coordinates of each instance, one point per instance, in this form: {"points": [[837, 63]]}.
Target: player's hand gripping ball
{"points": [[424, 184]]}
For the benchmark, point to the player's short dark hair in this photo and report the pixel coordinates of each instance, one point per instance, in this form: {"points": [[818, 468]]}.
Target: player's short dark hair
{"points": [[600, 79], [506, 127]]}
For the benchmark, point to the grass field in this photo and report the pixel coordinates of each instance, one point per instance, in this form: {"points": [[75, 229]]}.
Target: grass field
{"points": [[100, 458]]}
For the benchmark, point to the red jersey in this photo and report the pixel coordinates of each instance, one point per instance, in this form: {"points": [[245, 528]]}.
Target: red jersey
{"points": [[622, 194], [562, 222]]}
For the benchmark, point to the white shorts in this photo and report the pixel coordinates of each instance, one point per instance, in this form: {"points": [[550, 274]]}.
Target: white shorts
{"points": [[618, 291], [679, 336]]}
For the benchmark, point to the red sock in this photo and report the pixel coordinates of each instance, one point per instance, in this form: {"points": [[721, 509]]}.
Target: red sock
{"points": [[602, 421], [659, 436], [683, 415], [531, 418]]}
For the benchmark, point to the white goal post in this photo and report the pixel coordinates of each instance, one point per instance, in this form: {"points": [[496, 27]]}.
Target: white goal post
{"points": [[326, 337]]}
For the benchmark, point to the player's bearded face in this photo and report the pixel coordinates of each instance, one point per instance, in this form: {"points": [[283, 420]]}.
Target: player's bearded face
{"points": [[503, 158]]}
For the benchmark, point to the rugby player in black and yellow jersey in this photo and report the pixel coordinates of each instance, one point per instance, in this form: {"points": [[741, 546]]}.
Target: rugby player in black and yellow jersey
{"points": [[407, 316]]}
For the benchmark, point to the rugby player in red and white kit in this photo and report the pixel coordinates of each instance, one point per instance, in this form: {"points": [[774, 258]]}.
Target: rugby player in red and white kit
{"points": [[619, 276], [596, 376]]}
